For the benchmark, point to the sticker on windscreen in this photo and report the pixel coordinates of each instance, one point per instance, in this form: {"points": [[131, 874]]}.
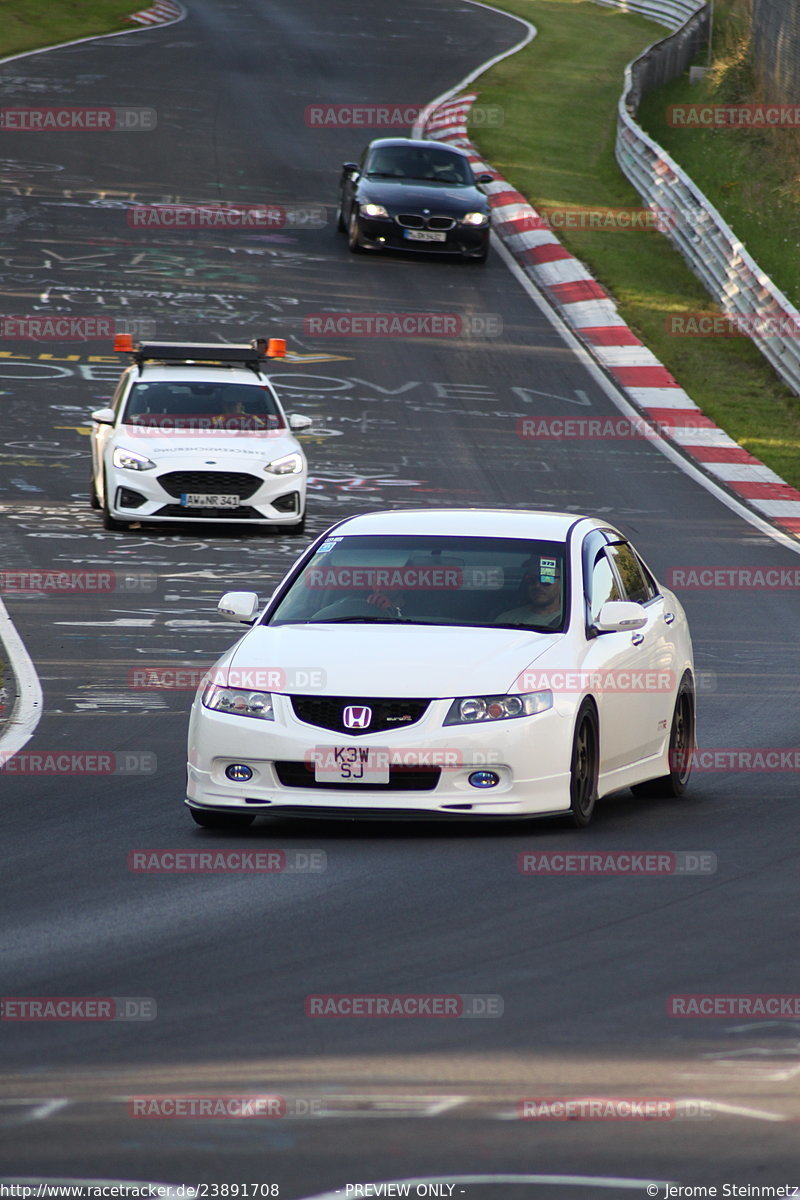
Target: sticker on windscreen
{"points": [[547, 570], [326, 547]]}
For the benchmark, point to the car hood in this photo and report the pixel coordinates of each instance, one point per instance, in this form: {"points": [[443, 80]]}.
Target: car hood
{"points": [[246, 447], [390, 660], [402, 195]]}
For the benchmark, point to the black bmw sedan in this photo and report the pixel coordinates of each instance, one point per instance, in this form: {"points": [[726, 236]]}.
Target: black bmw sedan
{"points": [[414, 195]]}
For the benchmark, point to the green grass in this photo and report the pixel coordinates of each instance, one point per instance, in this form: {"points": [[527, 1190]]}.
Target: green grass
{"points": [[556, 146], [29, 24], [751, 176]]}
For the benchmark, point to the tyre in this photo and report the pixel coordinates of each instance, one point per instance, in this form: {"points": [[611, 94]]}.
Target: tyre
{"points": [[93, 498], [221, 820], [112, 523], [288, 530], [340, 221], [681, 748], [583, 767], [353, 233]]}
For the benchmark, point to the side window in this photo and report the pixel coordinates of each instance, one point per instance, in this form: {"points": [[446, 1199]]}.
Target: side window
{"points": [[603, 585], [637, 586], [119, 392]]}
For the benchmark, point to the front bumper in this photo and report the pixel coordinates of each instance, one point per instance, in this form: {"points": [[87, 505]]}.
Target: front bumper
{"points": [[141, 496], [385, 233], [530, 755]]}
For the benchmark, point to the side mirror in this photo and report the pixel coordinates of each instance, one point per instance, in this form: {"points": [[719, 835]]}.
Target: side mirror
{"points": [[620, 616], [104, 416], [297, 422], [484, 178], [239, 606], [349, 166]]}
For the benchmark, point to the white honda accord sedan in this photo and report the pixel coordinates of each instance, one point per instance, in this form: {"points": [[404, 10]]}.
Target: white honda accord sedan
{"points": [[453, 663]]}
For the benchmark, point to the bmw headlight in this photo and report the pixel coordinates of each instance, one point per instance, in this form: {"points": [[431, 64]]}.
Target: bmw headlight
{"points": [[374, 210], [290, 464], [131, 461], [472, 709], [241, 702], [475, 218]]}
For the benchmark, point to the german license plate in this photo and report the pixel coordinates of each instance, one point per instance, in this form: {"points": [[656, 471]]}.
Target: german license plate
{"points": [[425, 235], [351, 764], [214, 500]]}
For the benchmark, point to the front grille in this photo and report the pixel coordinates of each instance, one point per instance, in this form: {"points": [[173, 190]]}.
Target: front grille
{"points": [[327, 711], [223, 483], [401, 779], [415, 221], [243, 513]]}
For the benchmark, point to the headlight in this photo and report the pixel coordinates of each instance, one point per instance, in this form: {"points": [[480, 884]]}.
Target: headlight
{"points": [[374, 210], [239, 701], [131, 461], [472, 709], [288, 465], [475, 218]]}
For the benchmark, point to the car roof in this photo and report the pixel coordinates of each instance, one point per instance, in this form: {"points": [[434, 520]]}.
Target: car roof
{"points": [[158, 372], [420, 142], [468, 522]]}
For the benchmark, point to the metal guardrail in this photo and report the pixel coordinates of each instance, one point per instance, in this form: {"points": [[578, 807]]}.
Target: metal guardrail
{"points": [[671, 13], [706, 241]]}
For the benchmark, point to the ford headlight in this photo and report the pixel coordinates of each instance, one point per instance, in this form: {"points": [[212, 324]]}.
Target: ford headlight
{"points": [[471, 709], [288, 465], [240, 702], [131, 461]]}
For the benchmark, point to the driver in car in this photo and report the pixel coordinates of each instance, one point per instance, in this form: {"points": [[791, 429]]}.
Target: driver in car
{"points": [[541, 589]]}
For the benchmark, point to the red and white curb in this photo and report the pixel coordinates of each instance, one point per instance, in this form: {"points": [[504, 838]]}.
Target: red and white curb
{"points": [[163, 12], [592, 314]]}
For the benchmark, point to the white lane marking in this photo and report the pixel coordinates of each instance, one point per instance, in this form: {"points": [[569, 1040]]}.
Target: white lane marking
{"points": [[759, 1025], [40, 1110], [738, 1110], [624, 406], [606, 1181], [97, 37], [118, 622], [28, 708], [422, 119]]}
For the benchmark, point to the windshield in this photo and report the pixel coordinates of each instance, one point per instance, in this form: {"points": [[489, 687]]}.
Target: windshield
{"points": [[502, 582], [187, 404], [417, 162]]}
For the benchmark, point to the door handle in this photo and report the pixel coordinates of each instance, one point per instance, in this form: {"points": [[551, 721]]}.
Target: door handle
{"points": [[669, 618], [637, 638]]}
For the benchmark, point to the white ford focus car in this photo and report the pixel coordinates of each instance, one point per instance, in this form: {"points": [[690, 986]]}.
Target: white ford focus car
{"points": [[196, 433], [452, 663]]}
